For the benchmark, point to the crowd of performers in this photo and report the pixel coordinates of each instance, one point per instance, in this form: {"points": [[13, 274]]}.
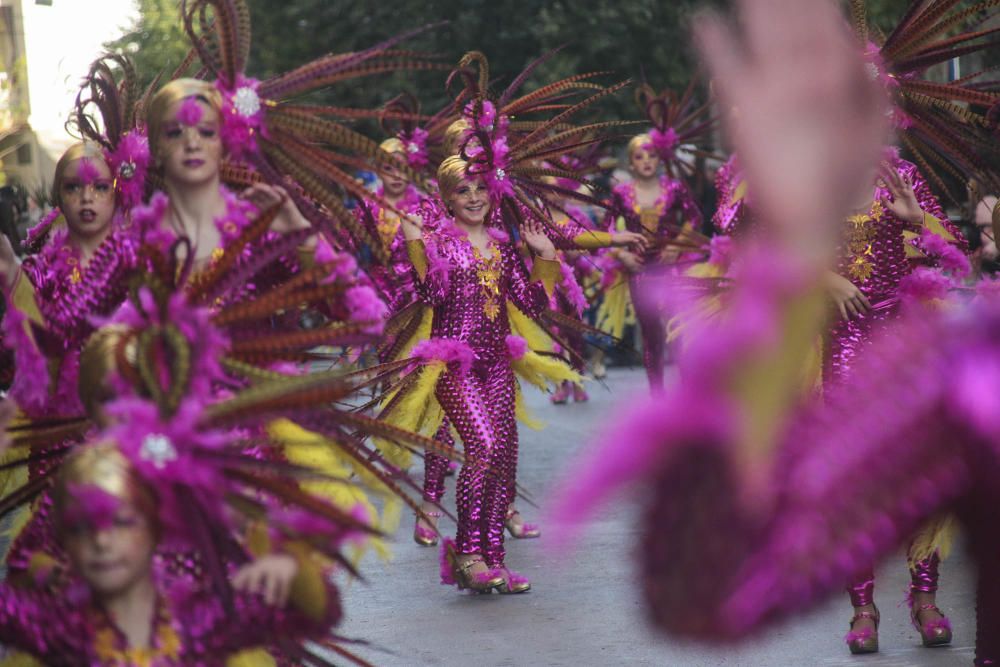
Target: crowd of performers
{"points": [[228, 356]]}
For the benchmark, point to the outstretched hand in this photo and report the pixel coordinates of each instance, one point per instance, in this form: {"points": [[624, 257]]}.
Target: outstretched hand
{"points": [[534, 235], [903, 202], [634, 240], [808, 120], [269, 576]]}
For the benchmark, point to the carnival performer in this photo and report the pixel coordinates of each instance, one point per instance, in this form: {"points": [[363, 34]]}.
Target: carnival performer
{"points": [[85, 250], [897, 220], [506, 151], [121, 614], [660, 207], [568, 298], [185, 122], [783, 466], [396, 196], [471, 274]]}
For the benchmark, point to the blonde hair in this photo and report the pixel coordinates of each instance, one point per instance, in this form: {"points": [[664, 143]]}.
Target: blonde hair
{"points": [[175, 91], [99, 358], [393, 145], [78, 151], [101, 466], [639, 141], [450, 174], [453, 135]]}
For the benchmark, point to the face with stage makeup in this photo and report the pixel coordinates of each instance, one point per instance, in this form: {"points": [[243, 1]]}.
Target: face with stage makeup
{"points": [[469, 202], [643, 162], [188, 145], [86, 196]]}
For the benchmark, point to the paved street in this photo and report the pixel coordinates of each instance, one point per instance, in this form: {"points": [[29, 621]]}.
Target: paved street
{"points": [[584, 608]]}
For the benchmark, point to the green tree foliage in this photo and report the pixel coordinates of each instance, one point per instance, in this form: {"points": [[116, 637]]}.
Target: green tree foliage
{"points": [[638, 39]]}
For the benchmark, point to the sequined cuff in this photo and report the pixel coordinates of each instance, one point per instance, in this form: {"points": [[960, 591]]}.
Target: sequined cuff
{"points": [[417, 253], [591, 240], [549, 271], [309, 591]]}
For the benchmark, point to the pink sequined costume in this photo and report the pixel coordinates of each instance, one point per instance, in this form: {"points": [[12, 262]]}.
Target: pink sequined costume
{"points": [[192, 627], [732, 205], [874, 258], [674, 210], [469, 294], [917, 418]]}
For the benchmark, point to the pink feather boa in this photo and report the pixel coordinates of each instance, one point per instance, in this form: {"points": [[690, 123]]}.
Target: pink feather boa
{"points": [[517, 347], [364, 305], [455, 353]]}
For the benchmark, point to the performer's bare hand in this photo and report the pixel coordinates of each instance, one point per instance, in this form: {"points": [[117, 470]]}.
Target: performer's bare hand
{"points": [[636, 241], [269, 576], [534, 235], [904, 203], [851, 301], [265, 196], [809, 122]]}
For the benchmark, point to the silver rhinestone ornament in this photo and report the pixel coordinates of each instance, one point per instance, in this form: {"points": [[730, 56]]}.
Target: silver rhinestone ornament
{"points": [[158, 450]]}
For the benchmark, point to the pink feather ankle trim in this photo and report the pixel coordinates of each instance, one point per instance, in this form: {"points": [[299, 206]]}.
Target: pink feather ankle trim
{"points": [[858, 635], [447, 573]]}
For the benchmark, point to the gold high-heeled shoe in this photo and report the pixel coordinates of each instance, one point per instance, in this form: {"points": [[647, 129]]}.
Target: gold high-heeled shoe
{"points": [[933, 633], [521, 531], [454, 572], [425, 537], [513, 583], [863, 641]]}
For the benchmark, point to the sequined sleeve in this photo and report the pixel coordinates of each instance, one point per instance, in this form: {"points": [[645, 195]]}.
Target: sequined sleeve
{"points": [[528, 295], [731, 209], [691, 215], [575, 234]]}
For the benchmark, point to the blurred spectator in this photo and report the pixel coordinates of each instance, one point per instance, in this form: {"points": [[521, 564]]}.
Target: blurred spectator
{"points": [[12, 209], [985, 257]]}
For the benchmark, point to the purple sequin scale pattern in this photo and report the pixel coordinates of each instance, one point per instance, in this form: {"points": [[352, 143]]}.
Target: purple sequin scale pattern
{"points": [[480, 403]]}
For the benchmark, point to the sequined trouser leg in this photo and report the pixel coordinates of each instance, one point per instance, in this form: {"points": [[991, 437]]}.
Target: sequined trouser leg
{"points": [[481, 406], [436, 467], [654, 335], [862, 588], [924, 575]]}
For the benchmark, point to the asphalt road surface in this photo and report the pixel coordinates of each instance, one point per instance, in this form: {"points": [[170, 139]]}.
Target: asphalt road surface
{"points": [[584, 607]]}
